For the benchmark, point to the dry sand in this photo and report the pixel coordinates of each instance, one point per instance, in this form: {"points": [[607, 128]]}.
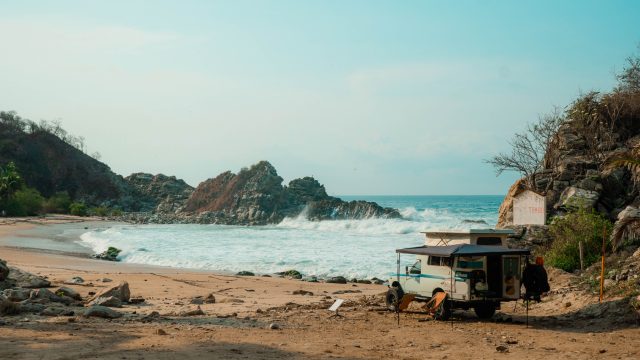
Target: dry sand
{"points": [[237, 326]]}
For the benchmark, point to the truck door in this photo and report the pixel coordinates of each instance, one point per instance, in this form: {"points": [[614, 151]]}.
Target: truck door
{"points": [[511, 276], [412, 282]]}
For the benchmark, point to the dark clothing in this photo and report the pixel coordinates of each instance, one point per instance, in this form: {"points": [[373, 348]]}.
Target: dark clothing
{"points": [[535, 280]]}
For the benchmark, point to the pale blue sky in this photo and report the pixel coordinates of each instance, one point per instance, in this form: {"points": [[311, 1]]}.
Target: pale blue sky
{"points": [[370, 97]]}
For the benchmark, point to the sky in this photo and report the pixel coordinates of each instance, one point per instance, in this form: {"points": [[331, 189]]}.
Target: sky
{"points": [[369, 97]]}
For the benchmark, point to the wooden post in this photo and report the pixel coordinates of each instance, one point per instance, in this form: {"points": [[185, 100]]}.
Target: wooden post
{"points": [[581, 255], [604, 235]]}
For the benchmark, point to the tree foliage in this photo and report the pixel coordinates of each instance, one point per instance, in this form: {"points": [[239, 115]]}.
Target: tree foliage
{"points": [[10, 181], [568, 231], [528, 148]]}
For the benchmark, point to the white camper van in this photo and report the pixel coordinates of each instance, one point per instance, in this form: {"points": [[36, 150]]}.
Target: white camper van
{"points": [[474, 267]]}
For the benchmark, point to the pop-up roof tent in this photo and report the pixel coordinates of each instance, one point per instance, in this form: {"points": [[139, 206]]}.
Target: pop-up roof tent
{"points": [[463, 250]]}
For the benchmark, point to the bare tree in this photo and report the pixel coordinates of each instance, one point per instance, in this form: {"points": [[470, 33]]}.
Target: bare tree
{"points": [[529, 147]]}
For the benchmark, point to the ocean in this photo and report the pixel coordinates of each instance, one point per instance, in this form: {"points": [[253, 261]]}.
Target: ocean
{"points": [[360, 249]]}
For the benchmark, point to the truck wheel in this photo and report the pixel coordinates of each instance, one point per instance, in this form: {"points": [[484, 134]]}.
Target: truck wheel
{"points": [[443, 312], [485, 310], [393, 298]]}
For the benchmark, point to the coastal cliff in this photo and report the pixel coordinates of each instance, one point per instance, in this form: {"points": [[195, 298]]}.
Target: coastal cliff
{"points": [[589, 163]]}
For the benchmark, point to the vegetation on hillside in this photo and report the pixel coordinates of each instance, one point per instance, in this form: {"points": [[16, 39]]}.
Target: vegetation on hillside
{"points": [[581, 226]]}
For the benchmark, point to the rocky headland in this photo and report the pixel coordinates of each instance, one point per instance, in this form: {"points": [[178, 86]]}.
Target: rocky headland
{"points": [[254, 196]]}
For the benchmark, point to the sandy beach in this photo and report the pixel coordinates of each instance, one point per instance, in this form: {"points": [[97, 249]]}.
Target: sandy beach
{"points": [[270, 317]]}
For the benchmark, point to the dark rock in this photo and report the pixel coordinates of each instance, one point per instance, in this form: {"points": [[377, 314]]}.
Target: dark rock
{"points": [[102, 312], [294, 274], [274, 326], [136, 300], [210, 299], [76, 280], [363, 281], [8, 307], [153, 316], [106, 280], [245, 273], [57, 311], [65, 291], [109, 301], [27, 280], [502, 349], [337, 280], [310, 279], [17, 294], [161, 332], [192, 312], [4, 270], [302, 292], [346, 292], [110, 255], [45, 295], [199, 300], [121, 292]]}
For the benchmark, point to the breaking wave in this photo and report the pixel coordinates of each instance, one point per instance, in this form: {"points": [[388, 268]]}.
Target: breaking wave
{"points": [[352, 248]]}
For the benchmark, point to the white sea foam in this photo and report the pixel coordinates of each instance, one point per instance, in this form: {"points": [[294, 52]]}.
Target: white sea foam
{"points": [[352, 248]]}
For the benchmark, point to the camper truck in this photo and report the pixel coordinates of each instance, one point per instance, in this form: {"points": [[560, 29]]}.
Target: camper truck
{"points": [[473, 267]]}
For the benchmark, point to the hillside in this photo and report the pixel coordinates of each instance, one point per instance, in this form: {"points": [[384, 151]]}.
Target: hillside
{"points": [[50, 165]]}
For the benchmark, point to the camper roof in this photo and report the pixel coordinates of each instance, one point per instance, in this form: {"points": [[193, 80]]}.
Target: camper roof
{"points": [[463, 250], [468, 231]]}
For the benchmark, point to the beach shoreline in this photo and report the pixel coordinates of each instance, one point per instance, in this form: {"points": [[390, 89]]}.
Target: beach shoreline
{"points": [[273, 318]]}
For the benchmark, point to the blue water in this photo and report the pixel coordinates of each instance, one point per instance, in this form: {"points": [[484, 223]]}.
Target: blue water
{"points": [[352, 248]]}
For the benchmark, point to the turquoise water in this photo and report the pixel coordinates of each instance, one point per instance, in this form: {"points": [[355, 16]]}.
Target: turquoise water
{"points": [[353, 248]]}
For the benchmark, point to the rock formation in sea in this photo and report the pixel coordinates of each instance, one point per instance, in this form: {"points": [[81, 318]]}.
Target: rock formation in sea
{"points": [[256, 196]]}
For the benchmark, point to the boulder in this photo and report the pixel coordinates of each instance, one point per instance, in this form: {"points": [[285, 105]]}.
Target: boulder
{"points": [[76, 280], [337, 280], [28, 280], [294, 274], [245, 273], [8, 307], [192, 312], [110, 255], [120, 291], [57, 311], [17, 294], [136, 300], [102, 312], [45, 295], [577, 198], [4, 270], [65, 291], [109, 301]]}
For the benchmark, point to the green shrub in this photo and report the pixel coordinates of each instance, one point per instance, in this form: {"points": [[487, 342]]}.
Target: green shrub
{"points": [[568, 231], [116, 212], [25, 202], [58, 203], [100, 211], [78, 209]]}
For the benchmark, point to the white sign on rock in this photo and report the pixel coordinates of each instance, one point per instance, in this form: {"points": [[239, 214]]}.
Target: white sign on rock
{"points": [[529, 208]]}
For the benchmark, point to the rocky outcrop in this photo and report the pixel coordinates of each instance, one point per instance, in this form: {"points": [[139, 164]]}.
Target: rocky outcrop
{"points": [[256, 196], [572, 181], [160, 193]]}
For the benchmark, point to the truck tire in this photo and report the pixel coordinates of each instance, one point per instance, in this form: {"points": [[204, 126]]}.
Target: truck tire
{"points": [[485, 310], [393, 298], [443, 312]]}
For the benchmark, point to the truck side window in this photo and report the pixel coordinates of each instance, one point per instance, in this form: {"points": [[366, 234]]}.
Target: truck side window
{"points": [[415, 268], [434, 260]]}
